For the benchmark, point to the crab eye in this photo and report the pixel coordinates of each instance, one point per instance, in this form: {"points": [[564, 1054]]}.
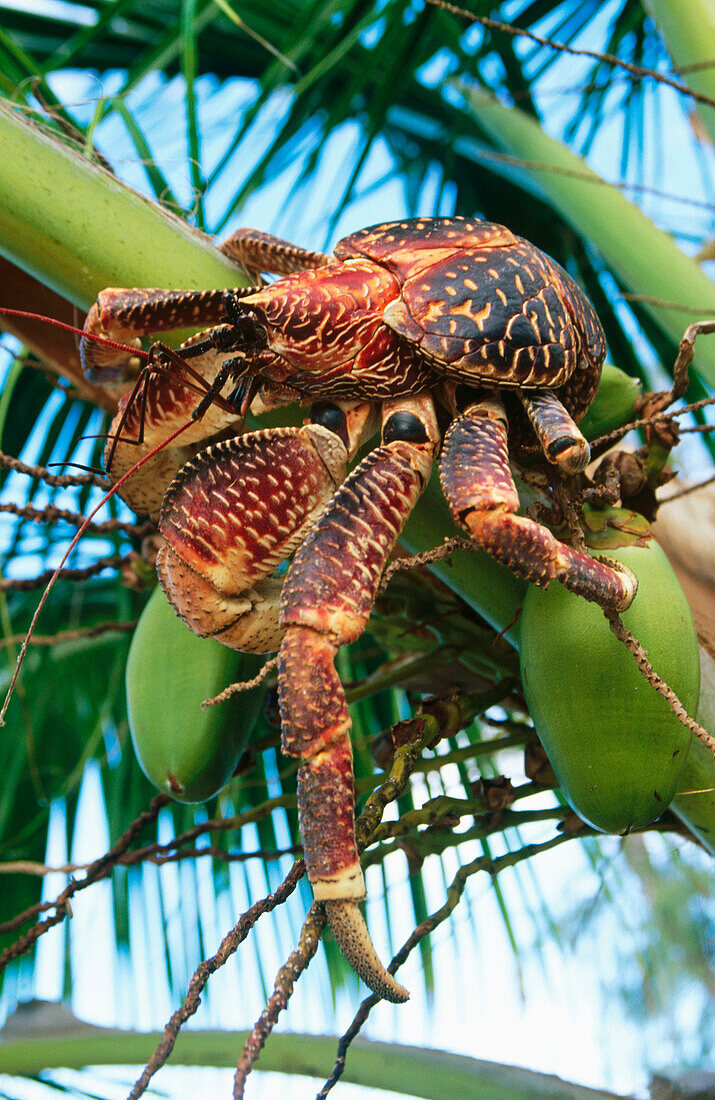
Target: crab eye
{"points": [[331, 417], [404, 426]]}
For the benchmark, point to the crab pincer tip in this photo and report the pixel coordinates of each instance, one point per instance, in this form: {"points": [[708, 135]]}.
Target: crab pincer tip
{"points": [[352, 937], [629, 581]]}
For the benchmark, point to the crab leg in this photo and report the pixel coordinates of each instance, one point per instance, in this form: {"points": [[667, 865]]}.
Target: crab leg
{"points": [[327, 600], [126, 315], [480, 490], [258, 251], [560, 439]]}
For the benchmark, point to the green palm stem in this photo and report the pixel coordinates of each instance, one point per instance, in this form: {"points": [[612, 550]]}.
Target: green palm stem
{"points": [[413, 1070], [69, 228], [78, 229], [689, 33]]}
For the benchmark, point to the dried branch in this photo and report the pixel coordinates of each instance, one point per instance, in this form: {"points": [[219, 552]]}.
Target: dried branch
{"points": [[572, 512], [641, 657], [286, 978], [242, 685], [158, 853], [454, 894], [100, 869], [409, 739], [688, 489], [598, 181], [605, 441], [686, 351], [452, 808], [176, 849], [638, 72], [51, 514], [229, 945], [29, 584], [130, 859], [662, 303], [60, 481], [126, 626], [426, 557]]}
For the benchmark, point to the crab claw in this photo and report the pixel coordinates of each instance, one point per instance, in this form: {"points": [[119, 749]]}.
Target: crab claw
{"points": [[229, 522], [352, 937]]}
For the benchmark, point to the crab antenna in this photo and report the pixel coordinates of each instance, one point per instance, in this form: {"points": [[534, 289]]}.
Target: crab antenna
{"points": [[80, 465], [50, 584], [73, 328]]}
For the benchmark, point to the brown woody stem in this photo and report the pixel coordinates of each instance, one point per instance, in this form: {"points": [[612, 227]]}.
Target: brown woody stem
{"points": [[637, 651]]}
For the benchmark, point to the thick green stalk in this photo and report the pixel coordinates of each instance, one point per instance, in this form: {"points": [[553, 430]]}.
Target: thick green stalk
{"points": [[688, 28], [645, 258], [432, 1074], [78, 229]]}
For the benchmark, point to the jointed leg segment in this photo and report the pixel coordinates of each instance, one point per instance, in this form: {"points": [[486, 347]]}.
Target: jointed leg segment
{"points": [[258, 251], [326, 602], [478, 485], [561, 441]]}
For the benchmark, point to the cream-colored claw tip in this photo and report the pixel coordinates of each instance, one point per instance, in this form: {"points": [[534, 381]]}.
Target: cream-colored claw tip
{"points": [[630, 582], [634, 587], [575, 458], [629, 578], [352, 937]]}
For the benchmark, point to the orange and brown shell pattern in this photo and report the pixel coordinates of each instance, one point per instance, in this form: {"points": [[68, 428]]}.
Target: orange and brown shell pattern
{"points": [[407, 304]]}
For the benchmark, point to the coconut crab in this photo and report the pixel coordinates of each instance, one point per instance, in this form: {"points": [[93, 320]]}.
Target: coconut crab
{"points": [[449, 316]]}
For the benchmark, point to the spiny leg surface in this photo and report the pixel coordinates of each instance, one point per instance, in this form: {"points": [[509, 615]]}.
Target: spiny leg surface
{"points": [[257, 251], [326, 603], [129, 314], [236, 511], [478, 485]]}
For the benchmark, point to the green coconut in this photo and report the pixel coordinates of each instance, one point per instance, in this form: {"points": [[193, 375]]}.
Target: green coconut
{"points": [[187, 751], [616, 747]]}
